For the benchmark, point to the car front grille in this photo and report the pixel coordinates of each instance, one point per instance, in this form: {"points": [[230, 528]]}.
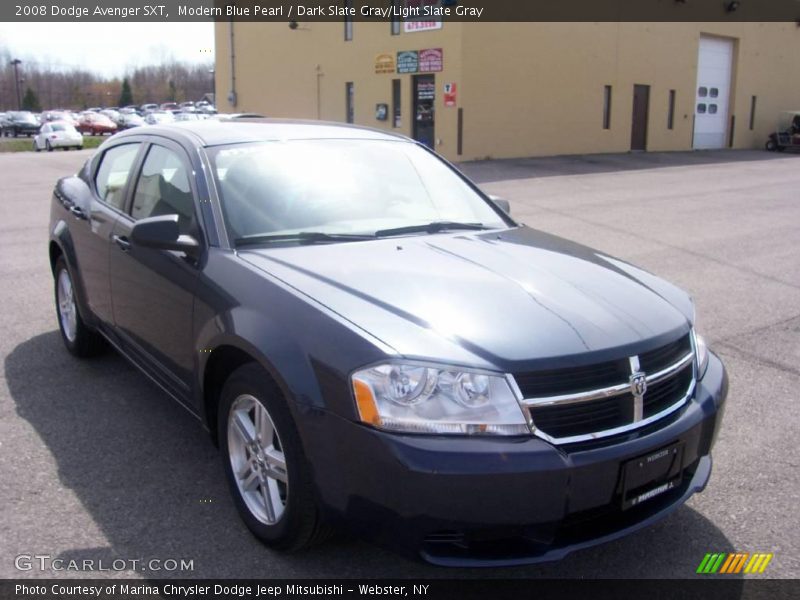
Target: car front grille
{"points": [[585, 403]]}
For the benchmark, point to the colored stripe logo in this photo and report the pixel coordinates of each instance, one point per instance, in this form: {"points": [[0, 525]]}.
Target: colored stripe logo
{"points": [[738, 562]]}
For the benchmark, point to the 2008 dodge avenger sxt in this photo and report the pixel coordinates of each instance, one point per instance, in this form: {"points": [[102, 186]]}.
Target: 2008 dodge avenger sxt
{"points": [[373, 341]]}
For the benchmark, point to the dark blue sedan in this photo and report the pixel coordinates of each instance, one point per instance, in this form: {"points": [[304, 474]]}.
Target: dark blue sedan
{"points": [[373, 342]]}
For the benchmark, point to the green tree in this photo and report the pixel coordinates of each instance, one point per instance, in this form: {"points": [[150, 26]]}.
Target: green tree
{"points": [[125, 96], [31, 101]]}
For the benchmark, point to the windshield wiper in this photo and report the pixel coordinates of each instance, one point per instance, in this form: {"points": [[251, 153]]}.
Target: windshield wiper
{"points": [[306, 237], [433, 227]]}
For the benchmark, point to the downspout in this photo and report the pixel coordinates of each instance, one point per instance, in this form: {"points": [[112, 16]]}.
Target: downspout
{"points": [[232, 93]]}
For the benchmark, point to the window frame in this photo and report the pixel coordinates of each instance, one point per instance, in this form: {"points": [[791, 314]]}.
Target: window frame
{"points": [[178, 150], [131, 174]]}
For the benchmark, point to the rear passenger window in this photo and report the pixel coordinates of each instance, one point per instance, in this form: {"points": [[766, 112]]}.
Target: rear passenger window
{"points": [[163, 189], [115, 168]]}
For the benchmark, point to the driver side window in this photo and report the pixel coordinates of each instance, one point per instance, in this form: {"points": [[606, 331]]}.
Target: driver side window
{"points": [[163, 189]]}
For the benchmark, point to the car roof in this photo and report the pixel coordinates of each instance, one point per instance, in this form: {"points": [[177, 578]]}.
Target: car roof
{"points": [[211, 132]]}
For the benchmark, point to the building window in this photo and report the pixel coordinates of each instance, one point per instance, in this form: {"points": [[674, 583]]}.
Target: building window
{"points": [[752, 113], [712, 109], [671, 110], [349, 102], [607, 107], [701, 109], [395, 21], [396, 114], [714, 92], [702, 92], [348, 22]]}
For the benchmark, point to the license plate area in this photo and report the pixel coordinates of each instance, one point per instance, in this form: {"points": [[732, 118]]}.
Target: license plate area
{"points": [[651, 475]]}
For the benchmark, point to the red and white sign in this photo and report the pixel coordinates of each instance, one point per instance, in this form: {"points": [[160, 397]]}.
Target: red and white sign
{"points": [[431, 60], [450, 94]]}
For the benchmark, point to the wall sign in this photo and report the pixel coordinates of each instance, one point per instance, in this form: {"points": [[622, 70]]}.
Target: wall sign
{"points": [[449, 94], [384, 63], [421, 19], [408, 61], [414, 26], [431, 60]]}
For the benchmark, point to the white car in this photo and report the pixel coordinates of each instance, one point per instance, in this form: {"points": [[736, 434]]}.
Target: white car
{"points": [[57, 134]]}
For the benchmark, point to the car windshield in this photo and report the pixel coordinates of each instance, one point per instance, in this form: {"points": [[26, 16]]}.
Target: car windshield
{"points": [[62, 127], [342, 187]]}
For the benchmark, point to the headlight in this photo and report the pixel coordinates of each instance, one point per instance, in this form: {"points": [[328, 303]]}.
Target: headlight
{"points": [[702, 353], [422, 398]]}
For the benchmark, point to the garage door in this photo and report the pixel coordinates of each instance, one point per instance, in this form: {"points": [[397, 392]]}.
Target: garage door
{"points": [[713, 92]]}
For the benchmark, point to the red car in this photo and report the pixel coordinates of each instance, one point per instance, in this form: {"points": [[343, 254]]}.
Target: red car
{"points": [[96, 124]]}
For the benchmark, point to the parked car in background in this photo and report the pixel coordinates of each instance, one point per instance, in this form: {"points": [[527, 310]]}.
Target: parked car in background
{"points": [[374, 341], [186, 116], [57, 134], [205, 107], [170, 106], [20, 123], [146, 108], [129, 119], [111, 113], [187, 104], [159, 117], [96, 124], [59, 115]]}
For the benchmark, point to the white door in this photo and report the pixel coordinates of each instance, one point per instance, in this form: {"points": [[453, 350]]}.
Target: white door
{"points": [[713, 92]]}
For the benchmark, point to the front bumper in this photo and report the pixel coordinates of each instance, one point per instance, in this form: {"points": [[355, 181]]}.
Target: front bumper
{"points": [[498, 501]]}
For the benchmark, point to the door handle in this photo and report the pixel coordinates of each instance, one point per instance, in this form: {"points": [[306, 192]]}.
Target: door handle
{"points": [[122, 242], [77, 212]]}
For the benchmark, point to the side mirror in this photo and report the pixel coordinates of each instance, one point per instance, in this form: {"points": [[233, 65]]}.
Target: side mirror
{"points": [[163, 233], [502, 203]]}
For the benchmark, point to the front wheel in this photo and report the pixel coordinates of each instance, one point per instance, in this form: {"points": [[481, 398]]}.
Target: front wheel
{"points": [[49, 146], [267, 471], [771, 146], [79, 339]]}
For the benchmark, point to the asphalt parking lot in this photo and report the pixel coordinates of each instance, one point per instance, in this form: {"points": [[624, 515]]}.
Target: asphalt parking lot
{"points": [[97, 463]]}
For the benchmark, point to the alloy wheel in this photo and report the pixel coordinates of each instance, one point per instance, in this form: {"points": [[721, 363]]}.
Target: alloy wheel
{"points": [[257, 459], [67, 310]]}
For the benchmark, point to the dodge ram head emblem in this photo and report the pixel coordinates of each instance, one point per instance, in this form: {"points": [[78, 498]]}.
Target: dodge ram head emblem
{"points": [[638, 384]]}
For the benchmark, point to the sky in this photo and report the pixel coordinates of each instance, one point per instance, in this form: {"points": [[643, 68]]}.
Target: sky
{"points": [[109, 49]]}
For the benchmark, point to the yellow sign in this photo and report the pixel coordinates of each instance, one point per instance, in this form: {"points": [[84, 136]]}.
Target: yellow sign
{"points": [[384, 63]]}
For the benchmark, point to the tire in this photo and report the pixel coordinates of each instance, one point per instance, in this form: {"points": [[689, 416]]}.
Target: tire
{"points": [[36, 147], [274, 495], [771, 146], [48, 145], [79, 338]]}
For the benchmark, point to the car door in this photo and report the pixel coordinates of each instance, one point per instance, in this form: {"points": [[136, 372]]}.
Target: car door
{"points": [[152, 290], [91, 233]]}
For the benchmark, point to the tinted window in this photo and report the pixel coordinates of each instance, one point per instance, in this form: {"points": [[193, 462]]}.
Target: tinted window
{"points": [[702, 92], [163, 188], [701, 108], [113, 174]]}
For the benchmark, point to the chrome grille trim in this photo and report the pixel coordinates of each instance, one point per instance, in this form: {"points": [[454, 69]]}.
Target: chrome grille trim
{"points": [[607, 392]]}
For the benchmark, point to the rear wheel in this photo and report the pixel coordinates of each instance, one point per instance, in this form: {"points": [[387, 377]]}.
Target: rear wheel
{"points": [[79, 339], [266, 468]]}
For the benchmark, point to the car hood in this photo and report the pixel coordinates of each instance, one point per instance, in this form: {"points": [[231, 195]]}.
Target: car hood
{"points": [[504, 300]]}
